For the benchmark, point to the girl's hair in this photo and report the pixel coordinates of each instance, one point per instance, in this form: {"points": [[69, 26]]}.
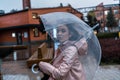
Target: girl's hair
{"points": [[74, 34]]}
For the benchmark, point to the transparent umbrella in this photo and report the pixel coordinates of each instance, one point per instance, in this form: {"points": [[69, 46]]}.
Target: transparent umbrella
{"points": [[79, 30]]}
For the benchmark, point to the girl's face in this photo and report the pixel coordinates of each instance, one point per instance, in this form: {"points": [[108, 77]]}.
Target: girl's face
{"points": [[63, 33]]}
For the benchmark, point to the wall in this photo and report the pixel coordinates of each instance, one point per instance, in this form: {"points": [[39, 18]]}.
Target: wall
{"points": [[40, 37], [16, 19], [7, 39], [41, 11]]}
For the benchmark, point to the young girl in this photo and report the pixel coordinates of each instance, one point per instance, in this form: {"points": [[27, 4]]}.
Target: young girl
{"points": [[66, 64]]}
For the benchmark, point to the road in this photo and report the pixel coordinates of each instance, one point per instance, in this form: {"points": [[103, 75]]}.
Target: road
{"points": [[17, 70]]}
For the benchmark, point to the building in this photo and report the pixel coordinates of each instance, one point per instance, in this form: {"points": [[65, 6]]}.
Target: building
{"points": [[101, 13], [22, 27]]}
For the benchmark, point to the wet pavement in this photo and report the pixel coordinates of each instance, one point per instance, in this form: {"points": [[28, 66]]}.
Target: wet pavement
{"points": [[108, 72], [17, 70]]}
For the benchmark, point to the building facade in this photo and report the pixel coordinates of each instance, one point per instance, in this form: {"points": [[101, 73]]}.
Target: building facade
{"points": [[102, 11], [24, 27]]}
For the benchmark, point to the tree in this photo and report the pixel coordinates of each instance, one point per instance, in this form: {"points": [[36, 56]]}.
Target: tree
{"points": [[13, 10], [111, 22], [2, 12], [91, 18]]}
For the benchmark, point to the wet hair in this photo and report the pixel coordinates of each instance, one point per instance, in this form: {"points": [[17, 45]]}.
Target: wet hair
{"points": [[73, 32]]}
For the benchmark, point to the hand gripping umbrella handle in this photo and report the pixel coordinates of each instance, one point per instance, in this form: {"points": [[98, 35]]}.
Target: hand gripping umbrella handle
{"points": [[46, 77]]}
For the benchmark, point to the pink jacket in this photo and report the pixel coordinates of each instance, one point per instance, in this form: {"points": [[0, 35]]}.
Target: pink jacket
{"points": [[66, 64]]}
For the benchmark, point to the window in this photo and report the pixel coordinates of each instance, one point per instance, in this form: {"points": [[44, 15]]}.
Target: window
{"points": [[36, 32], [106, 12], [101, 13], [34, 15], [25, 35], [116, 11], [13, 34]]}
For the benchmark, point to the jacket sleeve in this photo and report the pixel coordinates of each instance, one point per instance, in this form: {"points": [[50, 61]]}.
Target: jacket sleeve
{"points": [[69, 57]]}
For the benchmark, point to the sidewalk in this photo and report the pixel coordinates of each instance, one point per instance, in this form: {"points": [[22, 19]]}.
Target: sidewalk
{"points": [[108, 72], [17, 70]]}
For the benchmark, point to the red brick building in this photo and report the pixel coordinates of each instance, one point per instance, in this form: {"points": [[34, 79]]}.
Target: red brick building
{"points": [[101, 13], [21, 27]]}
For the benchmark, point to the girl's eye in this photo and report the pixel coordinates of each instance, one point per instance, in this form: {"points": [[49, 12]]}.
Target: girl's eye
{"points": [[62, 30]]}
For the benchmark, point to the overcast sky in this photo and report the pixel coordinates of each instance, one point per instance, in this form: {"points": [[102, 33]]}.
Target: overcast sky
{"points": [[8, 5]]}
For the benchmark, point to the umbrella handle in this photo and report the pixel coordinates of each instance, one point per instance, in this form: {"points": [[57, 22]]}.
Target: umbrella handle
{"points": [[33, 69]]}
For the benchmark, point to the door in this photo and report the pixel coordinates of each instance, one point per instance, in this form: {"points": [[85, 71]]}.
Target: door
{"points": [[19, 38]]}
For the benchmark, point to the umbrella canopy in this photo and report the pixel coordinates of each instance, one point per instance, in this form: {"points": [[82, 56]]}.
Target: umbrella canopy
{"points": [[80, 34]]}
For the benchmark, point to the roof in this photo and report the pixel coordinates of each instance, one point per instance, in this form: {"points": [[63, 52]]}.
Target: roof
{"points": [[24, 17], [40, 9]]}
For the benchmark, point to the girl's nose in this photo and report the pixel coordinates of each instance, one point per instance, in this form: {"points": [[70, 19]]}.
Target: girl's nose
{"points": [[59, 33]]}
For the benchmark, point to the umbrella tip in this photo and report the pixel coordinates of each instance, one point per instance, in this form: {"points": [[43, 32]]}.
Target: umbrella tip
{"points": [[95, 26]]}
